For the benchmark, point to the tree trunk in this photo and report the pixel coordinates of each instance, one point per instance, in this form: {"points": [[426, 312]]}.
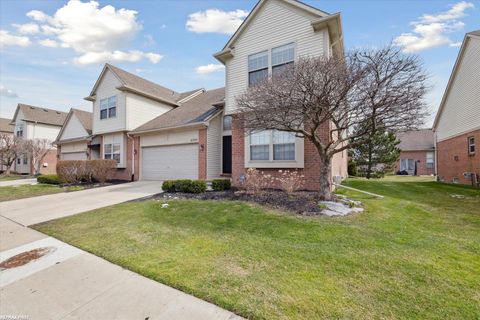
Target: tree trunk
{"points": [[369, 164], [325, 180]]}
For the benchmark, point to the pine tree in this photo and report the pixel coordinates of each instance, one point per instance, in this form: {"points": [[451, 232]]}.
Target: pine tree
{"points": [[380, 149]]}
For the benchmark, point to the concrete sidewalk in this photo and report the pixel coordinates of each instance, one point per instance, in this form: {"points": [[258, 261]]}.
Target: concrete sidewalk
{"points": [[39, 209], [17, 182], [73, 284]]}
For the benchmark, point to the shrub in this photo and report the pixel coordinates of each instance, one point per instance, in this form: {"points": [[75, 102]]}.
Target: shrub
{"points": [[77, 171], [184, 185], [255, 181], [352, 168], [290, 180], [168, 186], [221, 184], [48, 179]]}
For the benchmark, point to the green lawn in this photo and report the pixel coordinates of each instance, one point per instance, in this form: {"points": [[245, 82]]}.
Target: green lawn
{"points": [[414, 254], [11, 177], [28, 191]]}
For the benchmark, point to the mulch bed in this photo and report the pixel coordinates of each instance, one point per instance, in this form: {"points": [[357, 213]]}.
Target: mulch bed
{"points": [[302, 202]]}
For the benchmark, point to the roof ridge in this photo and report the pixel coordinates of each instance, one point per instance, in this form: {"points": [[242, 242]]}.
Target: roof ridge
{"points": [[38, 107]]}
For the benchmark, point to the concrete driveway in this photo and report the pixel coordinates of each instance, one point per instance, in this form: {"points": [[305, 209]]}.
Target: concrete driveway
{"points": [[17, 182], [39, 209]]}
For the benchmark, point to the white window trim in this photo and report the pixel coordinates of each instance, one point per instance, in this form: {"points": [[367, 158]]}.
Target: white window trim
{"points": [[108, 108], [470, 145], [297, 163], [269, 55]]}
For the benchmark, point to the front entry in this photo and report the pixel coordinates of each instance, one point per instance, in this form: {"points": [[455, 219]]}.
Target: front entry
{"points": [[227, 154]]}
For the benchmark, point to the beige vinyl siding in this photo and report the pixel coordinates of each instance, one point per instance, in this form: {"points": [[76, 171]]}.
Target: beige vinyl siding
{"points": [[276, 24], [106, 89], [141, 110], [41, 131], [74, 147], [73, 129], [214, 148], [169, 138], [461, 112]]}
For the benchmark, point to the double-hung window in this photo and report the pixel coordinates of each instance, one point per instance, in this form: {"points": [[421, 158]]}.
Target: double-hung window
{"points": [[283, 145], [257, 68], [260, 145], [430, 157], [272, 145], [471, 146], [112, 151], [108, 107], [19, 130], [281, 58]]}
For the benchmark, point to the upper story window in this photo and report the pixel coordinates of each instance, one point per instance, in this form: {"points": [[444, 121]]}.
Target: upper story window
{"points": [[471, 145], [19, 130], [281, 58], [272, 145], [430, 159], [257, 68], [227, 123], [108, 107], [112, 151]]}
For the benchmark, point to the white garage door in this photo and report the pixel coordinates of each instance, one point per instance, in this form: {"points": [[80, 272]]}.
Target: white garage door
{"points": [[74, 156], [170, 162]]}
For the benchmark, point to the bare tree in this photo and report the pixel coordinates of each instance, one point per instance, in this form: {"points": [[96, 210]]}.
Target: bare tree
{"points": [[11, 147], [359, 90], [37, 149]]}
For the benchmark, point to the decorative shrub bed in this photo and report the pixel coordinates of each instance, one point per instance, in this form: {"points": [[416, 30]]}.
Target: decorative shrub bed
{"points": [[88, 171], [302, 202], [221, 184], [185, 186], [48, 179]]}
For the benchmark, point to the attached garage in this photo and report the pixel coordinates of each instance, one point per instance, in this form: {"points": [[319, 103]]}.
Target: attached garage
{"points": [[74, 156], [170, 162]]}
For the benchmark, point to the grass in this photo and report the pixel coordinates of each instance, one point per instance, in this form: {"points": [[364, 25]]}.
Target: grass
{"points": [[413, 255], [11, 177], [27, 191]]}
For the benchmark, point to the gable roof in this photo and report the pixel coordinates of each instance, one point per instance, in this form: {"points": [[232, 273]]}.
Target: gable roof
{"points": [[473, 35], [85, 118], [41, 115], [416, 140], [6, 125], [141, 86], [331, 21], [195, 111]]}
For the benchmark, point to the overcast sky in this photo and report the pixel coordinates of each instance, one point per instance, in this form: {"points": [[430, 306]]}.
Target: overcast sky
{"points": [[53, 51]]}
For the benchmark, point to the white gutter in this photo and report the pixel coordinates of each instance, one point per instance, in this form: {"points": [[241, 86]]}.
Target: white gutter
{"points": [[196, 124]]}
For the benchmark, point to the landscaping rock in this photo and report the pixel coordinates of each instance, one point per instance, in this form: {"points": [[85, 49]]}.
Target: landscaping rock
{"points": [[332, 208]]}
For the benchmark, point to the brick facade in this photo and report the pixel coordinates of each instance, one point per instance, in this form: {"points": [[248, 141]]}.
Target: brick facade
{"points": [[51, 160], [453, 158], [126, 173], [311, 169], [420, 158], [202, 154]]}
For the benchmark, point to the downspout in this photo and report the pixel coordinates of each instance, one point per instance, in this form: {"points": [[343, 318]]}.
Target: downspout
{"points": [[133, 156]]}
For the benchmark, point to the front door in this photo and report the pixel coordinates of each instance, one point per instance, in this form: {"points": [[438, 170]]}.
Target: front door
{"points": [[227, 154]]}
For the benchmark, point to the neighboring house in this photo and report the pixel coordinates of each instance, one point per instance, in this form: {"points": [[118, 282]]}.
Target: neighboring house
{"points": [[457, 124], [185, 142], [75, 141], [417, 155], [6, 127], [276, 33], [122, 102], [37, 123]]}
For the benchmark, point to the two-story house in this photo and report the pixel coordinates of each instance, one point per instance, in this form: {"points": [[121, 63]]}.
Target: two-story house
{"points": [[122, 102], [457, 124], [7, 128], [37, 123], [276, 33], [75, 141]]}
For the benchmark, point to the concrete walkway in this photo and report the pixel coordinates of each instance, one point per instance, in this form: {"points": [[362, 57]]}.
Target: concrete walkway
{"points": [[39, 209], [17, 182], [69, 283]]}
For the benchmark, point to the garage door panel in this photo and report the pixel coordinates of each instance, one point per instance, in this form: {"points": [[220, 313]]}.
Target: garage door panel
{"points": [[170, 162], [74, 156]]}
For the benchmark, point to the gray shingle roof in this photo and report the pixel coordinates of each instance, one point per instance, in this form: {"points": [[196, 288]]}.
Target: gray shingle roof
{"points": [[416, 140], [195, 110], [475, 33], [42, 115], [6, 126], [85, 119], [142, 85]]}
